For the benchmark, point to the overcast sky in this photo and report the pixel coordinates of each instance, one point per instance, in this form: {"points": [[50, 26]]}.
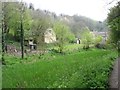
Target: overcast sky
{"points": [[94, 9]]}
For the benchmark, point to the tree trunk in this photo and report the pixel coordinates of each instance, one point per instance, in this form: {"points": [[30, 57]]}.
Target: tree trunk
{"points": [[22, 40], [22, 31], [3, 43], [3, 34], [118, 51]]}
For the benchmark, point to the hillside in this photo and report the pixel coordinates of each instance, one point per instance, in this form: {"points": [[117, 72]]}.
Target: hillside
{"points": [[77, 22], [36, 21]]}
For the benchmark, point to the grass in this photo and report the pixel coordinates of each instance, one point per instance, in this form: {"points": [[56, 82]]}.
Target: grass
{"points": [[86, 69], [70, 48]]}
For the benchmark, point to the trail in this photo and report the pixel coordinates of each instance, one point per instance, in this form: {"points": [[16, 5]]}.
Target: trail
{"points": [[114, 79]]}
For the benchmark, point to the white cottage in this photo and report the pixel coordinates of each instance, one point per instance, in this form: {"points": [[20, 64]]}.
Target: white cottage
{"points": [[49, 36]]}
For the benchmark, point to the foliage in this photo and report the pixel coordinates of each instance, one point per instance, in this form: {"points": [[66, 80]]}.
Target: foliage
{"points": [[68, 48], [97, 40], [36, 21], [13, 17], [113, 20], [39, 26], [56, 71], [100, 46], [63, 35], [77, 22], [87, 38]]}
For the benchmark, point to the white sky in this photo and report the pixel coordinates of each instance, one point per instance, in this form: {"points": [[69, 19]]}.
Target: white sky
{"points": [[94, 9]]}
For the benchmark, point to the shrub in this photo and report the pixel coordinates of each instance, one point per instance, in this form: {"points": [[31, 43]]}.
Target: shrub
{"points": [[86, 47], [100, 46]]}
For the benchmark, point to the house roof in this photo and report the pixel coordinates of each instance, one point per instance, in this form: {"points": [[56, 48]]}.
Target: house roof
{"points": [[100, 33]]}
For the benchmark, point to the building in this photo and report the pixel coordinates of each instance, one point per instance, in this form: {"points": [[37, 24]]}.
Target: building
{"points": [[49, 36], [103, 34], [30, 43], [77, 40]]}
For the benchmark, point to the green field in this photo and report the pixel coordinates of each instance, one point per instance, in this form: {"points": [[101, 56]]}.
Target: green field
{"points": [[86, 69]]}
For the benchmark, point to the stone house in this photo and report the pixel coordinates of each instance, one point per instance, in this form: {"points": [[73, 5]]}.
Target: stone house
{"points": [[49, 36]]}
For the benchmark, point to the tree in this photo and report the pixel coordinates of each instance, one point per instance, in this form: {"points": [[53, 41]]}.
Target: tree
{"points": [[39, 26], [40, 23], [22, 30], [70, 37], [16, 21], [113, 20], [63, 35], [97, 40], [87, 38], [13, 10], [13, 18]]}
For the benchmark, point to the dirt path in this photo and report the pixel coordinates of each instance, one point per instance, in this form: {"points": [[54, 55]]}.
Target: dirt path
{"points": [[114, 80]]}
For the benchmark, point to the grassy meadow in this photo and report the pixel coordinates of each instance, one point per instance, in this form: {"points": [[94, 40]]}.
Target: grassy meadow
{"points": [[81, 69]]}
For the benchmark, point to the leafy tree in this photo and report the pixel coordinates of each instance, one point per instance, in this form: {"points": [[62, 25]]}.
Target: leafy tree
{"points": [[97, 40], [113, 20], [12, 22], [70, 37], [87, 38], [13, 16], [38, 28], [16, 21], [40, 23], [63, 35]]}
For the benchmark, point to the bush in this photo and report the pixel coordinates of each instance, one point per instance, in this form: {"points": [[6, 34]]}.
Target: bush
{"points": [[86, 47], [54, 51], [100, 46]]}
